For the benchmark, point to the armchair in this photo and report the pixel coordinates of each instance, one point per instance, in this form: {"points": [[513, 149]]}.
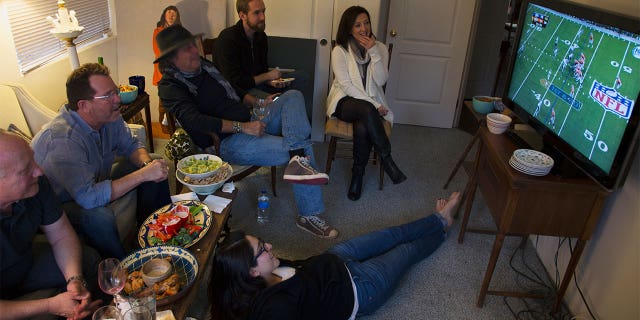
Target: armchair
{"points": [[29, 115]]}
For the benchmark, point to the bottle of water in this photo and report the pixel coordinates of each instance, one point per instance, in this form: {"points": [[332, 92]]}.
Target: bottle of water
{"points": [[263, 207]]}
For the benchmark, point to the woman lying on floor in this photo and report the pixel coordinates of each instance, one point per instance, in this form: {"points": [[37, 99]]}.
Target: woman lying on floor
{"points": [[352, 278]]}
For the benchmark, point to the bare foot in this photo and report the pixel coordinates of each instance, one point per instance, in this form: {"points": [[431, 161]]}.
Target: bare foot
{"points": [[440, 203], [446, 208]]}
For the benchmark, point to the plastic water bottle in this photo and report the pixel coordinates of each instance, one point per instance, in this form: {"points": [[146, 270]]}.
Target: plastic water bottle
{"points": [[263, 207]]}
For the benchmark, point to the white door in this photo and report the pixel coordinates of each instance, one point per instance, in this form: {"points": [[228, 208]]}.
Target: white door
{"points": [[429, 41]]}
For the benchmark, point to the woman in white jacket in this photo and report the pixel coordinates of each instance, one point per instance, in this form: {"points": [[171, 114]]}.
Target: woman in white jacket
{"points": [[359, 64]]}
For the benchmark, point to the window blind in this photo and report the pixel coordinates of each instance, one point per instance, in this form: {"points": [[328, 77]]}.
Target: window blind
{"points": [[35, 45]]}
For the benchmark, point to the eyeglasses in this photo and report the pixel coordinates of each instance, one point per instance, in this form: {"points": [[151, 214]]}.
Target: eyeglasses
{"points": [[108, 96], [261, 250]]}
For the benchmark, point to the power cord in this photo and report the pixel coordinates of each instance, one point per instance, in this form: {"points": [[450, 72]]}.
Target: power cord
{"points": [[575, 280], [538, 310]]}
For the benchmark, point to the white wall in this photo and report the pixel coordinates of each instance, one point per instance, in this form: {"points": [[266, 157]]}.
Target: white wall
{"points": [[47, 83], [609, 270]]}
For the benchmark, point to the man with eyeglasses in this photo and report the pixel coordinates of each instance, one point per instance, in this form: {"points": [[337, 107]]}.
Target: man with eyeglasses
{"points": [[78, 150]]}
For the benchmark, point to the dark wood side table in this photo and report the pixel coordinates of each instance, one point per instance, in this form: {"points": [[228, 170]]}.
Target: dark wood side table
{"points": [[522, 205], [131, 109], [203, 251]]}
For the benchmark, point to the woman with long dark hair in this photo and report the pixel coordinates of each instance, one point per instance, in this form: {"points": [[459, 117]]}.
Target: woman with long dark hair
{"points": [[352, 278], [359, 63]]}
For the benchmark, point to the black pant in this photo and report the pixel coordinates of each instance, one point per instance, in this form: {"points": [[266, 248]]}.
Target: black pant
{"points": [[368, 129]]}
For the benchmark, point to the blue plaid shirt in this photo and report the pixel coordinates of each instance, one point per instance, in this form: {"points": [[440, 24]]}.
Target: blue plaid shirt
{"points": [[78, 159]]}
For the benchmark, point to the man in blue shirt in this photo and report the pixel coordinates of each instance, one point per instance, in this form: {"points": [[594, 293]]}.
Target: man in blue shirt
{"points": [[27, 204], [77, 151]]}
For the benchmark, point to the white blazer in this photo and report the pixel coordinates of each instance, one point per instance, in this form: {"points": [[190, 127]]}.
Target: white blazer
{"points": [[347, 81]]}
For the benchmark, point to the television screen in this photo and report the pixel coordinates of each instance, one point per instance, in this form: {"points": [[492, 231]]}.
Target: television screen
{"points": [[576, 73]]}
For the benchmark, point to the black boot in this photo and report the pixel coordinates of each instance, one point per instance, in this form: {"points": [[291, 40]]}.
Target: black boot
{"points": [[355, 188], [392, 170]]}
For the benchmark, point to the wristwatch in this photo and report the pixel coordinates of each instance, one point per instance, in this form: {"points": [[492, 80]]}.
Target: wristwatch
{"points": [[237, 128]]}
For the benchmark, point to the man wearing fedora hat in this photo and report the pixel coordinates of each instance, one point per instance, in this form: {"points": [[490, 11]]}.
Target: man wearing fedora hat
{"points": [[204, 102]]}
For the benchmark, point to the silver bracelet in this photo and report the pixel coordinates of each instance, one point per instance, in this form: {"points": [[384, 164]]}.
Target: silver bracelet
{"points": [[237, 128]]}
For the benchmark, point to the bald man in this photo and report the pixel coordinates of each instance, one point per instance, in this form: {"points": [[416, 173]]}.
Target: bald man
{"points": [[28, 204]]}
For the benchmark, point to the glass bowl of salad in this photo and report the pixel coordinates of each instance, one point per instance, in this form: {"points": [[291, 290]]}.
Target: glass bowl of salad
{"points": [[199, 166]]}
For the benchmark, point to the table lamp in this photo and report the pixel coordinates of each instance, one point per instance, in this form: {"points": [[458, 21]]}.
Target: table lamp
{"points": [[66, 28]]}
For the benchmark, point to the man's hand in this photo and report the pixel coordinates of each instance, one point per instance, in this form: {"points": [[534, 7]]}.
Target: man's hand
{"points": [[382, 110], [155, 171], [254, 128], [274, 74], [80, 293], [66, 305], [271, 98]]}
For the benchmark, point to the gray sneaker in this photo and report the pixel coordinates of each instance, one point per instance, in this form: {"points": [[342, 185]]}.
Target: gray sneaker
{"points": [[316, 226], [299, 170]]}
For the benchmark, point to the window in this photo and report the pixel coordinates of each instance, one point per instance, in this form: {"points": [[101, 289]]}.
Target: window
{"points": [[34, 44]]}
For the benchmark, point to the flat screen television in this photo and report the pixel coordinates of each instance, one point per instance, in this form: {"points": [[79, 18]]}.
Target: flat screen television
{"points": [[574, 76]]}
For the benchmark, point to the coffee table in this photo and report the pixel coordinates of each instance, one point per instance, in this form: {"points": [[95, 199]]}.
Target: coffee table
{"points": [[203, 250]]}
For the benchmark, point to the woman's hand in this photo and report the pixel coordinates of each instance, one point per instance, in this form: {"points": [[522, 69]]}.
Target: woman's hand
{"points": [[382, 110], [364, 41]]}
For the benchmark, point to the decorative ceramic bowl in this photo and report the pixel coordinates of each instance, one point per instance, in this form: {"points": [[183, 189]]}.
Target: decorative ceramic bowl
{"points": [[483, 104], [155, 270], [184, 264], [209, 184], [199, 166], [128, 93]]}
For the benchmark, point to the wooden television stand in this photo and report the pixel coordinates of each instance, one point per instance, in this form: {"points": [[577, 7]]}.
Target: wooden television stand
{"points": [[521, 205]]}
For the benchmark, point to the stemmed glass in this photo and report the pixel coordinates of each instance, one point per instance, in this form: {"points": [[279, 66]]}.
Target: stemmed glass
{"points": [[111, 276], [260, 110]]}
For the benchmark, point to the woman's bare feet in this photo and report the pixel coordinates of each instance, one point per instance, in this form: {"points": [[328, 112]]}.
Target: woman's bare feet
{"points": [[446, 208]]}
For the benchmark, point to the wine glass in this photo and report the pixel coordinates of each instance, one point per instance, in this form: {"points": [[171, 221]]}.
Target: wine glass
{"points": [[138, 313], [260, 110], [107, 312], [111, 276]]}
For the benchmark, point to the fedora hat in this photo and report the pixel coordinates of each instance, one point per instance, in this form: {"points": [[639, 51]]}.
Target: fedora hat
{"points": [[172, 38]]}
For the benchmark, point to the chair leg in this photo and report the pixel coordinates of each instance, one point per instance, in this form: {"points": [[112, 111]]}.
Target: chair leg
{"points": [[273, 181], [381, 169], [331, 154]]}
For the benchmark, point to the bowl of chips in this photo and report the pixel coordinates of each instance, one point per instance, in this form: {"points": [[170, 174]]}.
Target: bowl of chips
{"points": [[207, 185], [128, 93]]}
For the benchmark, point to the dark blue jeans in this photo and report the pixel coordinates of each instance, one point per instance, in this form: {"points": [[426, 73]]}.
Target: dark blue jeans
{"points": [[97, 226], [378, 260]]}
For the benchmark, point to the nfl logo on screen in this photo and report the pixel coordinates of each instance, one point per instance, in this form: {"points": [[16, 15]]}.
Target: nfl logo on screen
{"points": [[539, 20], [610, 100]]}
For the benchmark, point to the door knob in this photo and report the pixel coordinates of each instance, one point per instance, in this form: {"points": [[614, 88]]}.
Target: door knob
{"points": [[323, 42], [393, 32]]}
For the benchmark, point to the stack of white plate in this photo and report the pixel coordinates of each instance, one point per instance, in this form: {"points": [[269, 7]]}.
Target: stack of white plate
{"points": [[498, 123], [531, 162]]}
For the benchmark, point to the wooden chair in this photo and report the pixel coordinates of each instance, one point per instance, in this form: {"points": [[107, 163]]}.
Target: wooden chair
{"points": [[341, 141], [239, 171]]}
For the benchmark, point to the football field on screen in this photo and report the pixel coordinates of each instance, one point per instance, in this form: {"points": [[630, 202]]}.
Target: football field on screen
{"points": [[560, 98]]}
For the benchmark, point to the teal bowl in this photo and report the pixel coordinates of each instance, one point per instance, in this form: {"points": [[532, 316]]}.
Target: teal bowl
{"points": [[483, 104], [128, 96]]}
